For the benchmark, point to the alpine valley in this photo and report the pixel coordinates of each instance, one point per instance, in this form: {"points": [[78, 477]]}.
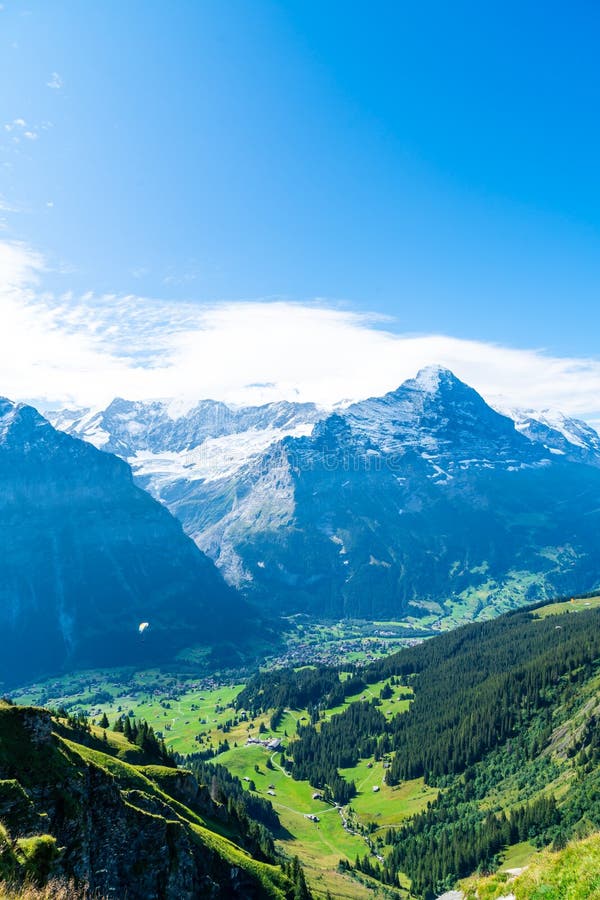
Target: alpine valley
{"points": [[165, 732], [299, 468], [423, 505]]}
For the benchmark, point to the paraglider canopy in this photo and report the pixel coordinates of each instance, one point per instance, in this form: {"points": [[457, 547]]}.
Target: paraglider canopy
{"points": [[143, 626]]}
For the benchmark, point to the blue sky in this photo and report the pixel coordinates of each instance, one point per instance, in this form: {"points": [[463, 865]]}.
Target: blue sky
{"points": [[435, 163]]}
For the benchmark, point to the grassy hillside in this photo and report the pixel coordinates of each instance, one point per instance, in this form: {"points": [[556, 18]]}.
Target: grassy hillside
{"points": [[73, 808], [569, 874], [53, 890], [191, 711]]}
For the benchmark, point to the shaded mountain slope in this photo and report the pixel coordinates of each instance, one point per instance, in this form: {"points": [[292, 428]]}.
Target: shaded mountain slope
{"points": [[87, 556]]}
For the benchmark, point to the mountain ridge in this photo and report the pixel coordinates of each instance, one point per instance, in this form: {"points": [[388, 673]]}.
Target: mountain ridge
{"points": [[393, 496]]}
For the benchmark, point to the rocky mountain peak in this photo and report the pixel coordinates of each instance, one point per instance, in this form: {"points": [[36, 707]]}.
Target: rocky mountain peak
{"points": [[5, 406], [434, 378]]}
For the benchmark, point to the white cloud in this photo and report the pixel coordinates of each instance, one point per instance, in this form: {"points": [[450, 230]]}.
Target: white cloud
{"points": [[21, 129], [16, 123], [88, 349], [55, 81]]}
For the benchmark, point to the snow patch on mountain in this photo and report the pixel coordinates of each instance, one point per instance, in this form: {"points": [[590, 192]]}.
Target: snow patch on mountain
{"points": [[7, 415], [212, 460], [428, 379], [259, 501], [562, 435], [573, 431]]}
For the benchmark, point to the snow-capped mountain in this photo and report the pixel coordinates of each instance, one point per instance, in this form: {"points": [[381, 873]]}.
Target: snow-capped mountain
{"points": [[443, 420], [87, 555], [127, 427], [387, 507], [208, 442], [560, 434], [197, 462]]}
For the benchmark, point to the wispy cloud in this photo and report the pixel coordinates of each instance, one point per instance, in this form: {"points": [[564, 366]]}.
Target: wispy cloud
{"points": [[86, 349], [55, 81], [5, 206]]}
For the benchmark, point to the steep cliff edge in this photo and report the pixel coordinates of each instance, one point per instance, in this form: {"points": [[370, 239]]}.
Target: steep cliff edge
{"points": [[70, 810]]}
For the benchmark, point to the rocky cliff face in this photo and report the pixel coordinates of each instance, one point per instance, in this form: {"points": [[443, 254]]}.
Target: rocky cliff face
{"points": [[87, 556], [76, 812]]}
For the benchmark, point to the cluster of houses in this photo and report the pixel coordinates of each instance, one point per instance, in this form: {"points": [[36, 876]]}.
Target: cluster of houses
{"points": [[329, 653]]}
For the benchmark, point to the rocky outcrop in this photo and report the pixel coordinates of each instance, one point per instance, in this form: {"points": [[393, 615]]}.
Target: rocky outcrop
{"points": [[110, 826]]}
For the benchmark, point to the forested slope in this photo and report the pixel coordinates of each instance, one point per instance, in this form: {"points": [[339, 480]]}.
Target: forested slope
{"points": [[505, 721]]}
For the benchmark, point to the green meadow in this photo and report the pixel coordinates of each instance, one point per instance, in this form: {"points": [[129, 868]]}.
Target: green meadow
{"points": [[321, 844], [193, 718], [568, 606]]}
